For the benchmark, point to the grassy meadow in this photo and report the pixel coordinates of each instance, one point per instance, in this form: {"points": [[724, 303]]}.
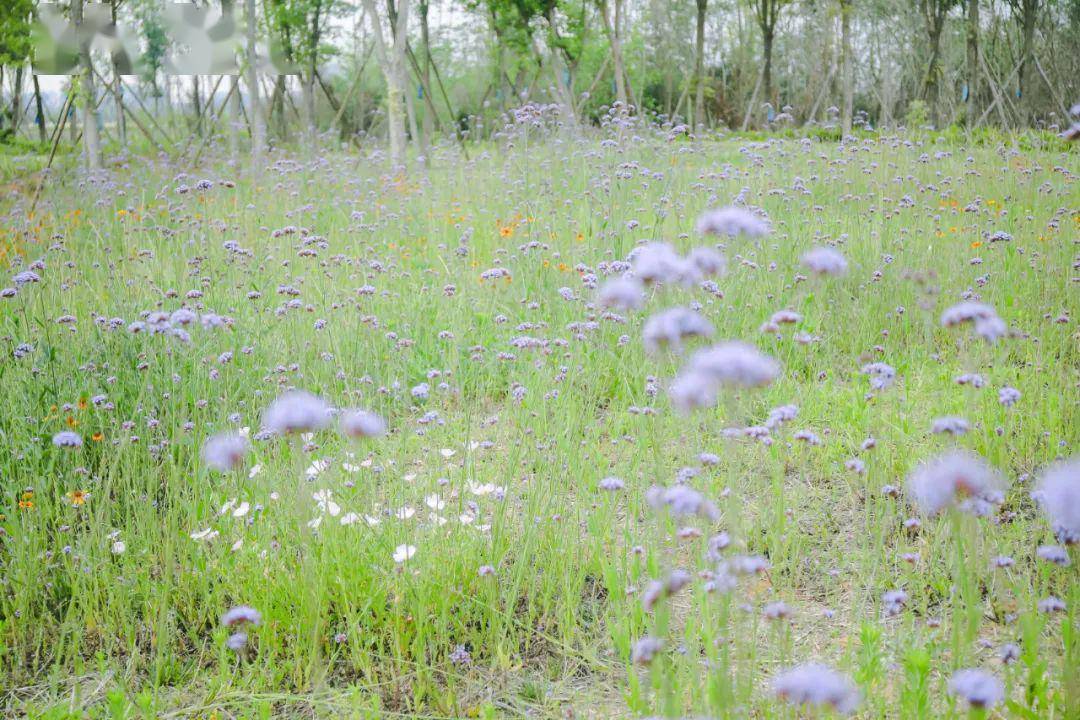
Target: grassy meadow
{"points": [[476, 560]]}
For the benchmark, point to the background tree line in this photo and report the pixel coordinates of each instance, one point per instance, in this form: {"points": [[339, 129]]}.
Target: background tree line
{"points": [[423, 71]]}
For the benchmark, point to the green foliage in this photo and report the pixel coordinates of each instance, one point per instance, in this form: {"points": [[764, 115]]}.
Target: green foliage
{"points": [[918, 115], [15, 20], [155, 43]]}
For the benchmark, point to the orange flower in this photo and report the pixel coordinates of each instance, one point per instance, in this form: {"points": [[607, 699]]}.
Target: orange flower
{"points": [[78, 497], [71, 421], [82, 403], [506, 231], [976, 244], [98, 436]]}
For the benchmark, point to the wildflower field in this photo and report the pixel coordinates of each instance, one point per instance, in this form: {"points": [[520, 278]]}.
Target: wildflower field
{"points": [[609, 424]]}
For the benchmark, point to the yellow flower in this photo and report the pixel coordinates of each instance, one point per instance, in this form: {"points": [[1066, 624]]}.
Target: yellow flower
{"points": [[78, 497]]}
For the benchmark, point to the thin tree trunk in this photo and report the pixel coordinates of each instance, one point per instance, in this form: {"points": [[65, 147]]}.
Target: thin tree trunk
{"points": [[40, 119], [1029, 13], [309, 80], [308, 104], [766, 75], [847, 68], [972, 65], [91, 141], [118, 99], [617, 57], [196, 103], [277, 108], [932, 72], [258, 129], [562, 86], [118, 96], [427, 128], [753, 101], [233, 115], [699, 66], [73, 121], [410, 114]]}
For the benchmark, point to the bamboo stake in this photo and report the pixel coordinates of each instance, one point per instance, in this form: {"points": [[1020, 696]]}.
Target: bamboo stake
{"points": [[57, 132]]}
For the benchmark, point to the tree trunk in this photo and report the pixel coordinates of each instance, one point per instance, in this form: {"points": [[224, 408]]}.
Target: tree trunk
{"points": [[972, 64], [502, 82], [258, 129], [847, 68], [1029, 13], [699, 66], [308, 103], [563, 84], [73, 119], [277, 108], [410, 111], [611, 29], [766, 75], [392, 60], [309, 80], [233, 114], [395, 113], [427, 128], [196, 103], [91, 142], [233, 117], [16, 100], [118, 94], [118, 99], [40, 119], [930, 86]]}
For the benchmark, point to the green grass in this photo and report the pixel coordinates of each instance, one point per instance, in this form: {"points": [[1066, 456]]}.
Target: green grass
{"points": [[84, 630]]}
